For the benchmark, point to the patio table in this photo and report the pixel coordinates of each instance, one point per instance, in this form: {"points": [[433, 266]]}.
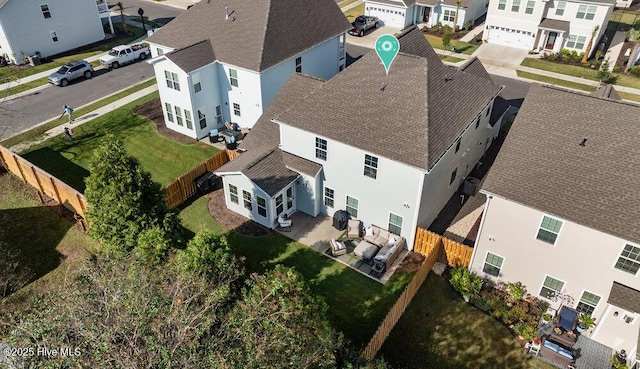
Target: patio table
{"points": [[365, 250]]}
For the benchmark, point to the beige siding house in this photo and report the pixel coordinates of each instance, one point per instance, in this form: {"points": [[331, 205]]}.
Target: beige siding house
{"points": [[562, 212]]}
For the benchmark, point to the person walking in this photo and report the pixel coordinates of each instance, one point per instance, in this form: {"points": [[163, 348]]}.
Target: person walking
{"points": [[69, 133], [69, 112]]}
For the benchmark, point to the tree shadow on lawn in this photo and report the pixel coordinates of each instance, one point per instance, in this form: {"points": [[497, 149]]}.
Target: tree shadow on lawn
{"points": [[445, 332], [59, 166]]}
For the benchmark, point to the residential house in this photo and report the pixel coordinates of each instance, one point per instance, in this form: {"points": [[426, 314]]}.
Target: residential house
{"points": [[29, 27], [222, 61], [390, 149], [562, 209], [550, 25], [404, 13]]}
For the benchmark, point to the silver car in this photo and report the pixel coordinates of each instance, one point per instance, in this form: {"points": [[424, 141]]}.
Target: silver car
{"points": [[71, 71]]}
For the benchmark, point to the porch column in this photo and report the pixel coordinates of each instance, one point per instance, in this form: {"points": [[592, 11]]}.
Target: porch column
{"points": [[559, 42], [543, 39]]}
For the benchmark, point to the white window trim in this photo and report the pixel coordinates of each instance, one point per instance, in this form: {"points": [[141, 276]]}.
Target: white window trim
{"points": [[580, 298], [266, 213], [333, 198], [535, 236], [346, 203], [389, 220], [484, 261], [619, 254], [564, 286]]}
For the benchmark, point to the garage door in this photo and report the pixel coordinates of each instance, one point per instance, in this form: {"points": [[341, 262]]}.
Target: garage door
{"points": [[511, 37], [393, 18]]}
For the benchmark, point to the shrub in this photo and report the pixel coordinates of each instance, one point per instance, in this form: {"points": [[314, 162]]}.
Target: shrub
{"points": [[516, 291], [604, 75], [526, 331], [586, 65], [617, 69], [467, 26], [465, 282]]}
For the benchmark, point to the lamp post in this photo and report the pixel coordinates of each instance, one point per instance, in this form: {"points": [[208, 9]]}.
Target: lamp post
{"points": [[141, 13]]}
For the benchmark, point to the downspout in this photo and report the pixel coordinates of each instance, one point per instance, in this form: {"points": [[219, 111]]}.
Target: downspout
{"points": [[416, 212], [484, 216]]}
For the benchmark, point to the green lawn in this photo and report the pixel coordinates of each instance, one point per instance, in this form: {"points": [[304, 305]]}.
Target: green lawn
{"points": [[460, 46], [352, 13], [450, 59], [356, 303], [440, 331], [165, 159], [7, 73], [575, 71], [628, 96], [622, 19], [555, 81]]}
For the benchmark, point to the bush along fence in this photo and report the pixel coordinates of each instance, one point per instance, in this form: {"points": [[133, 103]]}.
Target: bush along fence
{"points": [[184, 187], [48, 186], [435, 248]]}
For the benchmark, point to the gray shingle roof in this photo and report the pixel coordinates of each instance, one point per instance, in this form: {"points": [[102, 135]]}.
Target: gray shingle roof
{"points": [[270, 173], [555, 24], [193, 57], [474, 66], [412, 115], [624, 297], [301, 165], [541, 164], [259, 33], [606, 91]]}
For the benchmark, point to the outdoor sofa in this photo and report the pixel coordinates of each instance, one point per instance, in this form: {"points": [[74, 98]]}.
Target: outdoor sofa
{"points": [[556, 353], [381, 245]]}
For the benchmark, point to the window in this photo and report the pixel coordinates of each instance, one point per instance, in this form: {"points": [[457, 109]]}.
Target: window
{"points": [[550, 287], [167, 108], [395, 223], [502, 4], [492, 264], [515, 7], [187, 118], [370, 166], [629, 260], [454, 174], [246, 197], [549, 229], [588, 303], [477, 122], [628, 318], [197, 85], [352, 207], [262, 206], [46, 13], [328, 196], [279, 205], [172, 80], [586, 12], [233, 193], [449, 15], [233, 77], [299, 64], [458, 145], [529, 8], [160, 51], [236, 109], [202, 118], [54, 36], [576, 42], [178, 115], [218, 115], [560, 8], [289, 197], [321, 148]]}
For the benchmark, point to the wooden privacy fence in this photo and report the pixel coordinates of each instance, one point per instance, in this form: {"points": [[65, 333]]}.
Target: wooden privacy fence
{"points": [[435, 248], [44, 182], [184, 187]]}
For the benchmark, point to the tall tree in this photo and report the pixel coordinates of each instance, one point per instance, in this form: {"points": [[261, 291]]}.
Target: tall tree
{"points": [[122, 18], [587, 52], [634, 35], [455, 18], [123, 199]]}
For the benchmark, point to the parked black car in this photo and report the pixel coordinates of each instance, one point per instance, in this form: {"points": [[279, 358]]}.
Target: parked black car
{"points": [[363, 23]]}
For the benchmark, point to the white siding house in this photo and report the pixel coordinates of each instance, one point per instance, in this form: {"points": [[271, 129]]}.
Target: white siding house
{"points": [[239, 66], [28, 27], [404, 13], [562, 212], [547, 25], [393, 167]]}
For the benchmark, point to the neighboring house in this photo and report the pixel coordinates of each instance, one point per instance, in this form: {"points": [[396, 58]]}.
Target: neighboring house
{"points": [[404, 13], [389, 149], [550, 25], [562, 210], [28, 27], [225, 61]]}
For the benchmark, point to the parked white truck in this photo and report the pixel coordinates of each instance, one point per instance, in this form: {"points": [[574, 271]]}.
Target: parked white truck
{"points": [[124, 54]]}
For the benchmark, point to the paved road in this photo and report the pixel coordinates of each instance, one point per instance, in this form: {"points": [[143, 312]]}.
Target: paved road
{"points": [[25, 112], [154, 10]]}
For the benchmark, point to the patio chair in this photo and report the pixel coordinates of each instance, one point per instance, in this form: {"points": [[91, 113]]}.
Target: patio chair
{"points": [[285, 224], [567, 318], [337, 248], [353, 228]]}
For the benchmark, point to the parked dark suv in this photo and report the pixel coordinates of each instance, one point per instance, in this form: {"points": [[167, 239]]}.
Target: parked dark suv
{"points": [[363, 23], [71, 71]]}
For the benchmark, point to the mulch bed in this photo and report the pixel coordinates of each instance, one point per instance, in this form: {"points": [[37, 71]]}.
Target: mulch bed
{"points": [[153, 111], [232, 220], [411, 262]]}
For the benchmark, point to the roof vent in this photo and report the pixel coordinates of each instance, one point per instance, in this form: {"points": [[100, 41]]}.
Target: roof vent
{"points": [[584, 142], [383, 87], [446, 78], [226, 12]]}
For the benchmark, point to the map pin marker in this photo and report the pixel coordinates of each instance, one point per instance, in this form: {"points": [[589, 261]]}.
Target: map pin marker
{"points": [[387, 47]]}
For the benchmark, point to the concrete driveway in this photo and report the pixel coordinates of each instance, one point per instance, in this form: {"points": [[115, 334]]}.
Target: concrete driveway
{"points": [[370, 37], [500, 56]]}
